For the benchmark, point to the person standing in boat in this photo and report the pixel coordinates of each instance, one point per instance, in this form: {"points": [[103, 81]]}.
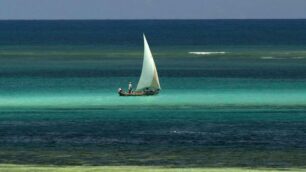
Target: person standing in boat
{"points": [[130, 87]]}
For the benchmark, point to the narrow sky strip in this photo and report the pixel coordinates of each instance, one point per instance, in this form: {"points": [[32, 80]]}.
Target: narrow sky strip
{"points": [[152, 9]]}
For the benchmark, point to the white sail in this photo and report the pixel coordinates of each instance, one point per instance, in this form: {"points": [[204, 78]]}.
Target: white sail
{"points": [[149, 77]]}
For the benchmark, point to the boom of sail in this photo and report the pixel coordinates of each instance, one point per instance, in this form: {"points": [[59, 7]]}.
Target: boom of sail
{"points": [[149, 77]]}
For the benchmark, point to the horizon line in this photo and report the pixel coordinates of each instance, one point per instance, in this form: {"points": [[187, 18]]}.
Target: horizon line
{"points": [[165, 19]]}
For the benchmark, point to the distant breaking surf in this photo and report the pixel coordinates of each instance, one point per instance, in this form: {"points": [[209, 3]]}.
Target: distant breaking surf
{"points": [[206, 53]]}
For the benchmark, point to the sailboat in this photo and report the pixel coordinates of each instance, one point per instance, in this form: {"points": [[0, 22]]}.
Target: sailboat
{"points": [[148, 83]]}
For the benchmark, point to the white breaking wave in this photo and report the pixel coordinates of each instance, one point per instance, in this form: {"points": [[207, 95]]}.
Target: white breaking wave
{"points": [[206, 53], [268, 58]]}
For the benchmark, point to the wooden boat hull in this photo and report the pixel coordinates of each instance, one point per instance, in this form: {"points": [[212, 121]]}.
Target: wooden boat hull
{"points": [[142, 93]]}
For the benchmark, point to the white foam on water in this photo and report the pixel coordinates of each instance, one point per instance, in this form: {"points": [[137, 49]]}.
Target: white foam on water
{"points": [[206, 53], [271, 58]]}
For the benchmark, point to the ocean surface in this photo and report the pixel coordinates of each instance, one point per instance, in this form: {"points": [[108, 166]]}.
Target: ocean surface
{"points": [[233, 93]]}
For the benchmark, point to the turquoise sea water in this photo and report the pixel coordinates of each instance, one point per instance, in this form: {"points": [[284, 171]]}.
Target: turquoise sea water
{"points": [[240, 100], [206, 82]]}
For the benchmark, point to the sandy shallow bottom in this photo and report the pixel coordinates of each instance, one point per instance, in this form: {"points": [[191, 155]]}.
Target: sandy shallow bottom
{"points": [[35, 168]]}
